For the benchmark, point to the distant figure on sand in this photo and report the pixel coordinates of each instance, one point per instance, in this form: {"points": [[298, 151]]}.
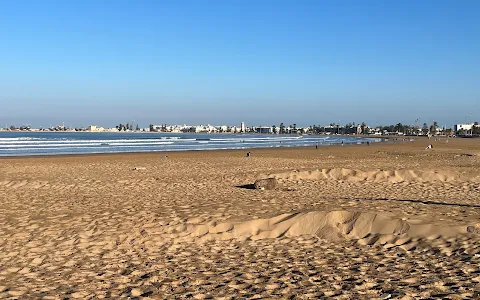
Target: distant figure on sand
{"points": [[248, 154], [316, 146], [429, 146]]}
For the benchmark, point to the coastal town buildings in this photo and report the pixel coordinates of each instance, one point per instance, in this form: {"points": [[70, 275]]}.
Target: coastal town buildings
{"points": [[331, 129], [465, 127], [264, 129], [468, 129], [94, 128]]}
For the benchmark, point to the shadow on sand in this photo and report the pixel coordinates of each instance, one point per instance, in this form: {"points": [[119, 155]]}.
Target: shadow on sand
{"points": [[417, 201], [247, 186]]}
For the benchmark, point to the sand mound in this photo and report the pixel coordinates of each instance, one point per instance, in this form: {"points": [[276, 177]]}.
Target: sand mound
{"points": [[368, 228], [391, 176], [265, 184]]}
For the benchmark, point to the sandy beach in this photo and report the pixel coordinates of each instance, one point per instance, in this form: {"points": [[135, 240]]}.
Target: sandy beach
{"points": [[383, 221]]}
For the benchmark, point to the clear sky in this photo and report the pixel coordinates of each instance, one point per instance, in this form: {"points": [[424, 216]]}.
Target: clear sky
{"points": [[262, 62]]}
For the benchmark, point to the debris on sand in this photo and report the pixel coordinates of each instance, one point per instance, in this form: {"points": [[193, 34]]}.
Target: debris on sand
{"points": [[265, 184], [464, 154]]}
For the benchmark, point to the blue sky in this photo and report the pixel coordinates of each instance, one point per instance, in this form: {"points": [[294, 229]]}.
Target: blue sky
{"points": [[262, 62]]}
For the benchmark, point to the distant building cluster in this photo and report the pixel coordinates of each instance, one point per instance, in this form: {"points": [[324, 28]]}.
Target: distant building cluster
{"points": [[59, 128], [94, 128], [331, 129], [211, 129], [463, 129]]}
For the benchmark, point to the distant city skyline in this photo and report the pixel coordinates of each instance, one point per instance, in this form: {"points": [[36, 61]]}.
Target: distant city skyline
{"points": [[261, 62], [469, 119], [165, 127]]}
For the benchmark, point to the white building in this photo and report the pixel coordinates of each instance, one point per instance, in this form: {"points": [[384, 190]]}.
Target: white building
{"points": [[264, 129], [242, 127], [466, 127], [201, 129], [94, 128], [303, 130], [222, 128], [234, 129]]}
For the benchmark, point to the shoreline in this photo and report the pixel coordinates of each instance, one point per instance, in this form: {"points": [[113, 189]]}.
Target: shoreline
{"points": [[213, 152], [227, 133], [320, 146], [114, 143]]}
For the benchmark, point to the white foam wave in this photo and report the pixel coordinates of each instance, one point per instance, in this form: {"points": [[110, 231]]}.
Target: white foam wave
{"points": [[52, 141], [89, 144], [81, 143]]}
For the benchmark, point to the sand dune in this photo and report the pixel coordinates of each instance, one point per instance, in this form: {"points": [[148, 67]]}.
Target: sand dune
{"points": [[368, 228], [392, 176]]}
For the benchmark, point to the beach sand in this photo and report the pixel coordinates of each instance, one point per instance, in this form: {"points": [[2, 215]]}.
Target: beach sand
{"points": [[383, 221]]}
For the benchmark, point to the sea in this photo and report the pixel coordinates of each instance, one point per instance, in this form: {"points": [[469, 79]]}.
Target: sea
{"points": [[24, 143]]}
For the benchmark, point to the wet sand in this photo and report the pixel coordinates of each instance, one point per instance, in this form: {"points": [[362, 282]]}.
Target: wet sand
{"points": [[381, 221]]}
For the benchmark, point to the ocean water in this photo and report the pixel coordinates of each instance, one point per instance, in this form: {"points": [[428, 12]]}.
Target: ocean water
{"points": [[54, 143]]}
